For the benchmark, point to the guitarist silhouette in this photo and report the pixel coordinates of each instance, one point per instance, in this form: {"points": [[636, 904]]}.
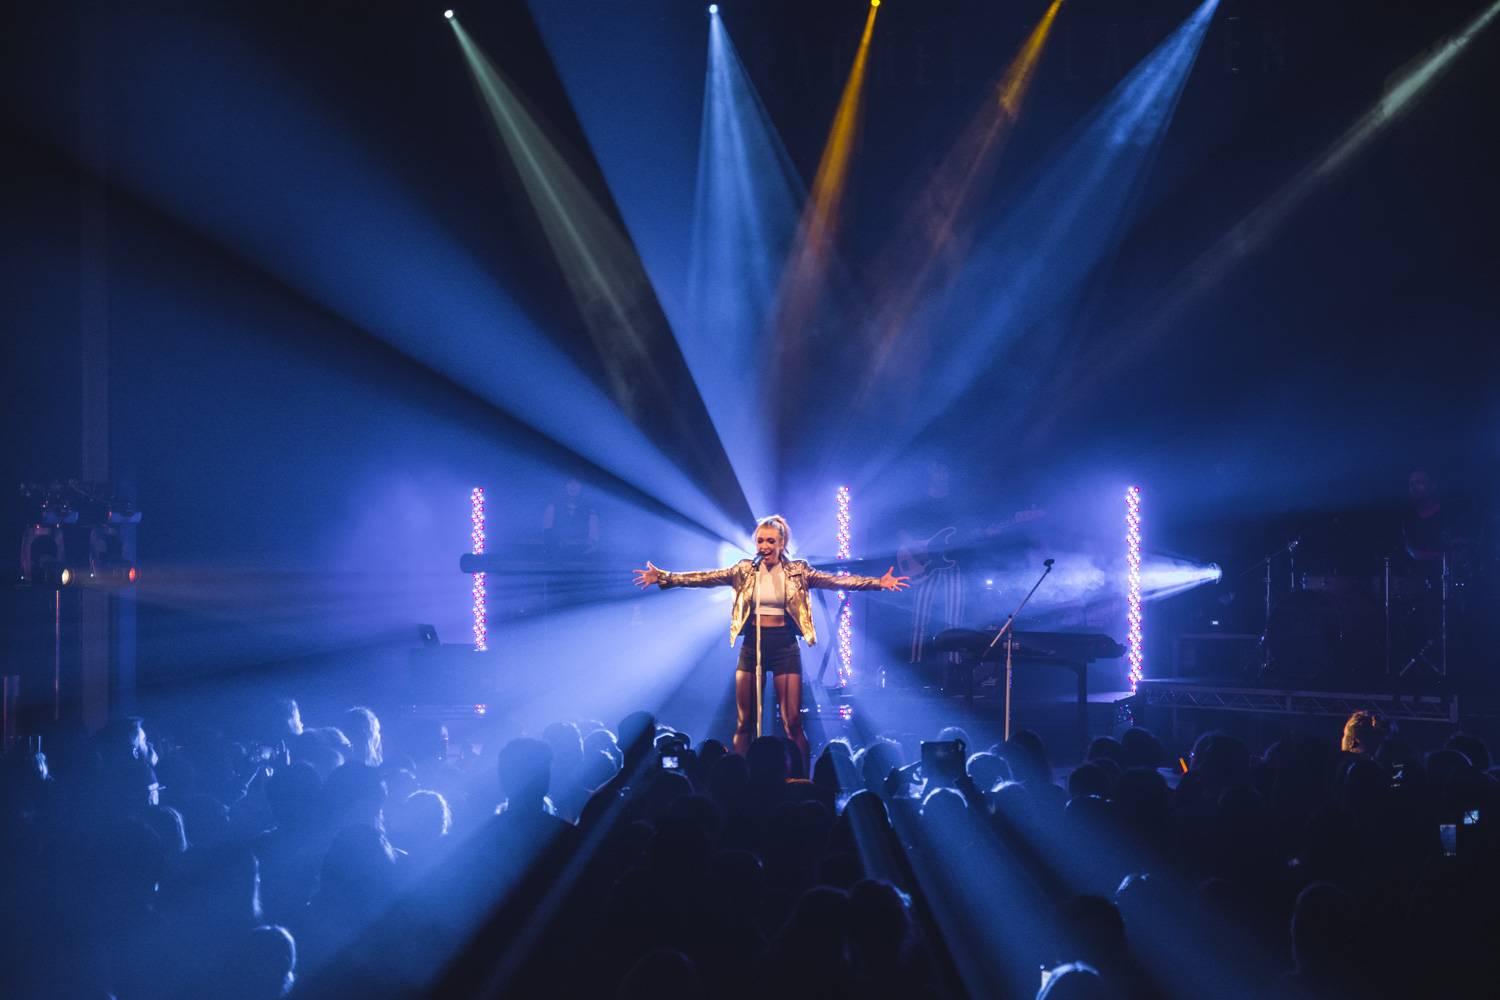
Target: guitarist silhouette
{"points": [[926, 551], [915, 557]]}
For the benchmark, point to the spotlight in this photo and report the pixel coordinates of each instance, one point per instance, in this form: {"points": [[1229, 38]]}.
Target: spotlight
{"points": [[51, 575], [874, 3], [116, 572], [713, 8], [108, 563], [448, 14], [1218, 574]]}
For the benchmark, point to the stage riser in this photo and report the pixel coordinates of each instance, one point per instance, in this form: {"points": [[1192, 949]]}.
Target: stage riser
{"points": [[1180, 710]]}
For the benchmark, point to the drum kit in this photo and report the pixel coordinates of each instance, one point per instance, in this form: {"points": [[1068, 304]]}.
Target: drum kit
{"points": [[1395, 628]]}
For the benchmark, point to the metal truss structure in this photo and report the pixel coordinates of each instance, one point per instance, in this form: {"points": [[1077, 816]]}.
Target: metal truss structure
{"points": [[1175, 694]]}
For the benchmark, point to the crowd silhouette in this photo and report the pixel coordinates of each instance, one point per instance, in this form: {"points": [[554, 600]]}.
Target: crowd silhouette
{"points": [[176, 860]]}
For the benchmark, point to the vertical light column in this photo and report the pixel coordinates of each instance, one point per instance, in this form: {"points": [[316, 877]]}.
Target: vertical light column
{"points": [[846, 611], [1134, 641], [476, 542]]}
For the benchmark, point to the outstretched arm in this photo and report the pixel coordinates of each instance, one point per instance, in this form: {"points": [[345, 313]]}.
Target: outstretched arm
{"points": [[698, 578], [848, 581], [647, 577]]}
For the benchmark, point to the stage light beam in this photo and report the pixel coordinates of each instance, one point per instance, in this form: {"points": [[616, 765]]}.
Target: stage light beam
{"points": [[598, 261], [744, 224], [1163, 577], [831, 179], [803, 281], [1257, 228], [413, 287], [933, 220], [1021, 280]]}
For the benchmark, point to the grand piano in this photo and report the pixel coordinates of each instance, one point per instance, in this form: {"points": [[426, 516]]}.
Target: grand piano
{"points": [[1071, 650]]}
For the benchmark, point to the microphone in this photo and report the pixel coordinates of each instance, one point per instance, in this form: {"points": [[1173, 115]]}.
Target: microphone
{"points": [[759, 558], [1048, 562]]}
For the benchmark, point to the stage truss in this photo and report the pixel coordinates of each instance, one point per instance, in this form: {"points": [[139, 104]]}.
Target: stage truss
{"points": [[1176, 694]]}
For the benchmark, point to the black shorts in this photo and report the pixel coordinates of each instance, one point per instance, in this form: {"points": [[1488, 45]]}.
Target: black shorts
{"points": [[779, 652]]}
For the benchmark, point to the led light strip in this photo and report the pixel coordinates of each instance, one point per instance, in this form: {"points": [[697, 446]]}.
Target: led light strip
{"points": [[1133, 583], [846, 610], [476, 542]]}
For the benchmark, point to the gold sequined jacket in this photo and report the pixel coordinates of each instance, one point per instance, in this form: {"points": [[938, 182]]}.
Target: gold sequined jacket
{"points": [[800, 578]]}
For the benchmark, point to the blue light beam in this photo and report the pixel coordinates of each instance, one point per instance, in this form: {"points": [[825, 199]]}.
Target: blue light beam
{"points": [[334, 223], [1030, 266], [744, 221], [1259, 227]]}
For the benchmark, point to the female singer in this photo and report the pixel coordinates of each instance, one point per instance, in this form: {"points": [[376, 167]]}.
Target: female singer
{"points": [[774, 591]]}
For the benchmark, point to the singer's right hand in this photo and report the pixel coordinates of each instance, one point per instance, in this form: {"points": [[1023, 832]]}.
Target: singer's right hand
{"points": [[647, 577]]}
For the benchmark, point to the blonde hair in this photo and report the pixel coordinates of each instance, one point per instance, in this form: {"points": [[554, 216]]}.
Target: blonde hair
{"points": [[782, 528], [1364, 732]]}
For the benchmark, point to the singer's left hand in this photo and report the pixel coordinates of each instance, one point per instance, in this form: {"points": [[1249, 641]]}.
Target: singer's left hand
{"points": [[892, 582]]}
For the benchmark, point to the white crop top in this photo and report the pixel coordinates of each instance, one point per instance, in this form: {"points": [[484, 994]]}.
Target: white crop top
{"points": [[770, 586]]}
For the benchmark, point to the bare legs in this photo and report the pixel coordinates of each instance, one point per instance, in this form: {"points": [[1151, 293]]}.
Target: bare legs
{"points": [[744, 705], [788, 696]]}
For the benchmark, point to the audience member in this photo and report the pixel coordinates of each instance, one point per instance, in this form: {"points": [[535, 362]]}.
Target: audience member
{"points": [[362, 728], [284, 860], [1364, 732]]}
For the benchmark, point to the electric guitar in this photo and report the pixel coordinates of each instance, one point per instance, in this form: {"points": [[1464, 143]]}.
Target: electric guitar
{"points": [[917, 557]]}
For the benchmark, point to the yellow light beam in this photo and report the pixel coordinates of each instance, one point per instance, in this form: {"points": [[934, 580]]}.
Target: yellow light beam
{"points": [[809, 258], [833, 167], [933, 219]]}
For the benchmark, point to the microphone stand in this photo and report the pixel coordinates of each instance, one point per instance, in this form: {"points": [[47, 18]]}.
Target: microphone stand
{"points": [[1290, 550], [1008, 633], [760, 675]]}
